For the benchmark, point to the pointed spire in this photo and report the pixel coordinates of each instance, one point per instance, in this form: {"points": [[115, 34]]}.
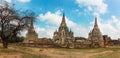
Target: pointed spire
{"points": [[63, 18], [56, 30], [70, 30], [95, 25], [31, 25], [63, 23]]}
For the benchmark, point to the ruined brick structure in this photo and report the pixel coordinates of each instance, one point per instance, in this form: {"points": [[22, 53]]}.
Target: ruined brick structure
{"points": [[63, 36], [31, 36], [107, 40], [95, 36]]}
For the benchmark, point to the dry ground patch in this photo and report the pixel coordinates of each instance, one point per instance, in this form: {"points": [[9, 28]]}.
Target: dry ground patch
{"points": [[32, 52]]}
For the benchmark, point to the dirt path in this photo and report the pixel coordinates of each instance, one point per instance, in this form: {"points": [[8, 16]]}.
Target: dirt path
{"points": [[92, 54], [29, 52], [71, 54], [10, 56], [53, 53]]}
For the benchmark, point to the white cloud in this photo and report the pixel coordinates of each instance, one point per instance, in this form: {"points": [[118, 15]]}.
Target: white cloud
{"points": [[77, 11], [9, 1], [51, 18], [24, 1], [23, 33], [45, 32], [97, 6]]}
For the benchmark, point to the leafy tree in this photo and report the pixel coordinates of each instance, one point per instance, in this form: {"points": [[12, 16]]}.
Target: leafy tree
{"points": [[16, 39], [12, 22]]}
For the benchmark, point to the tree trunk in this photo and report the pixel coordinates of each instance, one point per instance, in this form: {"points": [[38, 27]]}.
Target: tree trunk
{"points": [[5, 44]]}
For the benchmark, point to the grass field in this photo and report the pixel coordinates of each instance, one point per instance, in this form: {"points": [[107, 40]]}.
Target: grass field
{"points": [[30, 52]]}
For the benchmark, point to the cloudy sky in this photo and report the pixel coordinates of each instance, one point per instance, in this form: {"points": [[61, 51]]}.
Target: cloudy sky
{"points": [[79, 14]]}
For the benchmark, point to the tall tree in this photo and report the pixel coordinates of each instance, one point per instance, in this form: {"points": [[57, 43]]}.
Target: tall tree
{"points": [[12, 22]]}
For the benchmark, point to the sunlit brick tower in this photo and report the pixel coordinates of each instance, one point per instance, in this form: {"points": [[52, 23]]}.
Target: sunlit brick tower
{"points": [[60, 36], [95, 36], [31, 36]]}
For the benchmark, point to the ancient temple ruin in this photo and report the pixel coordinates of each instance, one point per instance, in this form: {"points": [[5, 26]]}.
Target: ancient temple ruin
{"points": [[63, 36], [95, 36], [31, 36]]}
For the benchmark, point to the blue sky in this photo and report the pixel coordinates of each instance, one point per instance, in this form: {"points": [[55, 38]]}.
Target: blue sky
{"points": [[79, 14]]}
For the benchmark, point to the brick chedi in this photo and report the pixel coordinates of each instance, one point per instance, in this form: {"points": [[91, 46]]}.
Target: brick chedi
{"points": [[31, 36], [60, 36], [95, 36]]}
